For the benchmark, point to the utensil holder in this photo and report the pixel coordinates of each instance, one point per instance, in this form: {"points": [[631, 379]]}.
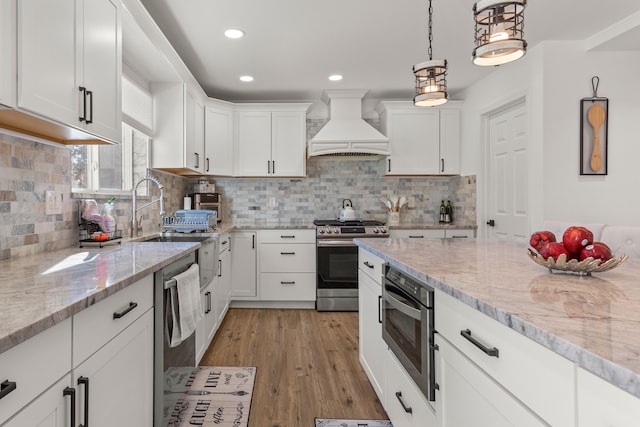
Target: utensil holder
{"points": [[393, 218]]}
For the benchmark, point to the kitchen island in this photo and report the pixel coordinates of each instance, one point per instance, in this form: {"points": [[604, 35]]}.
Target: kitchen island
{"points": [[593, 321]]}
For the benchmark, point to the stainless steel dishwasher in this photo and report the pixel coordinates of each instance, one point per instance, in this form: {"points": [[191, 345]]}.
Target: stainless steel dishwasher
{"points": [[166, 357]]}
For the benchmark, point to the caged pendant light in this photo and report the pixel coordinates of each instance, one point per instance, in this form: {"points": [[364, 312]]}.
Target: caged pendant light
{"points": [[431, 76], [499, 31]]}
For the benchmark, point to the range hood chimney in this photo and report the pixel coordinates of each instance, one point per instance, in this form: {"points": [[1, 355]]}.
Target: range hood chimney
{"points": [[346, 133]]}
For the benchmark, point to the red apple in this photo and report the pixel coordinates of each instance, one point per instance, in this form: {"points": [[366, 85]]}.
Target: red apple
{"points": [[539, 238], [575, 238], [597, 250], [554, 249]]}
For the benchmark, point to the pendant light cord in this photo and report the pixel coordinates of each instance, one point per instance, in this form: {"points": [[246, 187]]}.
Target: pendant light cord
{"points": [[430, 51]]}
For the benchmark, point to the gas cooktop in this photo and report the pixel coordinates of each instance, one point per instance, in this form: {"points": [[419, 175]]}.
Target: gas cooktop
{"points": [[332, 228]]}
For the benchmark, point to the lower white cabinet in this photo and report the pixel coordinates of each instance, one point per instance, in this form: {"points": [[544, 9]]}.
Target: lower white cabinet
{"points": [[404, 402], [114, 386], [601, 404], [372, 346], [428, 233], [53, 408], [222, 290], [243, 265], [467, 396], [207, 325]]}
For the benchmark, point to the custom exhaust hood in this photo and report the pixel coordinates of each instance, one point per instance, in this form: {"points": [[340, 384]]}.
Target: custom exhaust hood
{"points": [[346, 133]]}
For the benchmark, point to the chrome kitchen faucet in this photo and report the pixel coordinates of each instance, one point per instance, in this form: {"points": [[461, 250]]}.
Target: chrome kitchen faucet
{"points": [[134, 210]]}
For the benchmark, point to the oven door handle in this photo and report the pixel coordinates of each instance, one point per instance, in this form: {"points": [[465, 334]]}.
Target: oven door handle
{"points": [[334, 243], [402, 307]]}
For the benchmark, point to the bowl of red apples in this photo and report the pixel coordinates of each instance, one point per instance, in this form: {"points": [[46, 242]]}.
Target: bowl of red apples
{"points": [[575, 253]]}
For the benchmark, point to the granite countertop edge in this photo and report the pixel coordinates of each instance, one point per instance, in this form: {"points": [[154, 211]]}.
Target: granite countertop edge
{"points": [[610, 371], [28, 328]]}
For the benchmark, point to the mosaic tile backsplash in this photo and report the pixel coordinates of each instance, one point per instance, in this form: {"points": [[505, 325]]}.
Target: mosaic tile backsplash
{"points": [[28, 169]]}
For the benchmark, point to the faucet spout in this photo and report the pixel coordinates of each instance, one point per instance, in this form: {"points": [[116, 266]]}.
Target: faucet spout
{"points": [[135, 209]]}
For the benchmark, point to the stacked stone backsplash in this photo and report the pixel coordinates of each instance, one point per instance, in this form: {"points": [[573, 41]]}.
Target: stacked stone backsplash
{"points": [[28, 169]]}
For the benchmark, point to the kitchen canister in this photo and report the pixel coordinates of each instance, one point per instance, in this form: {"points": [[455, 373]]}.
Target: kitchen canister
{"points": [[393, 218]]}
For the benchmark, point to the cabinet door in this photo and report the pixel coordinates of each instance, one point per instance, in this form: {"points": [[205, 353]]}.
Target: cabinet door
{"points": [[468, 396], [120, 379], [449, 141], [48, 39], [243, 265], [428, 233], [288, 143], [51, 409], [194, 136], [209, 321], [8, 45], [223, 286], [254, 143], [372, 346], [415, 142], [102, 66], [218, 142]]}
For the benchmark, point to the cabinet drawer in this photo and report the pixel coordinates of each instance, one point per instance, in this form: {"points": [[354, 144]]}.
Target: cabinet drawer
{"points": [[288, 258], [288, 286], [95, 326], [288, 236], [371, 264], [401, 391], [459, 234], [417, 234], [33, 366], [540, 378]]}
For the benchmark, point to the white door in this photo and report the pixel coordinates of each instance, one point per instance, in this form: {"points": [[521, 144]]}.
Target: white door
{"points": [[508, 208], [288, 143], [254, 143], [218, 141]]}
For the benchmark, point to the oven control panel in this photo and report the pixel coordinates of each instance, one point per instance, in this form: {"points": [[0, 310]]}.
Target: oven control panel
{"points": [[351, 231]]}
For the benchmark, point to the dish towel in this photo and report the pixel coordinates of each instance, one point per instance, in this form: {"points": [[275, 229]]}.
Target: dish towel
{"points": [[184, 309]]}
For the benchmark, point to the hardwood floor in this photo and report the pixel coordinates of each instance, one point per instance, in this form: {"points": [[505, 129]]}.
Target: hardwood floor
{"points": [[307, 365]]}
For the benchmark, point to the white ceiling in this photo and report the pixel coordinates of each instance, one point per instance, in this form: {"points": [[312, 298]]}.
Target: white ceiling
{"points": [[292, 46]]}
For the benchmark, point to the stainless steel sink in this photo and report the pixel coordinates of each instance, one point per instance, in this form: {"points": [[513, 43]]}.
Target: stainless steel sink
{"points": [[179, 238]]}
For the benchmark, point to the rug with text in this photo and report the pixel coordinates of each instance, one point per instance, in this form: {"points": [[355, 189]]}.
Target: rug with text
{"points": [[208, 396], [330, 422]]}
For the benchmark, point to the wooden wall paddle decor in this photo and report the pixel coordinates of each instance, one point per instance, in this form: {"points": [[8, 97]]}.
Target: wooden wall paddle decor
{"points": [[594, 124]]}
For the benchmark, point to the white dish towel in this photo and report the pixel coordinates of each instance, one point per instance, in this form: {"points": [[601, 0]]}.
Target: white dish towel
{"points": [[184, 310]]}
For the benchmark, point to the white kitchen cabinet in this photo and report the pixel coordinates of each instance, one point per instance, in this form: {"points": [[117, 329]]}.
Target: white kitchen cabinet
{"points": [[207, 326], [218, 133], [459, 234], [372, 347], [404, 402], [601, 404], [287, 260], [224, 280], [537, 377], [123, 364], [24, 372], [243, 265], [272, 142], [53, 408], [417, 233], [178, 142], [423, 141], [8, 45], [467, 396], [70, 63]]}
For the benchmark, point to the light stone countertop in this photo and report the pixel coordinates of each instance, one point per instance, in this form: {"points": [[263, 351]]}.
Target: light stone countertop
{"points": [[40, 291], [433, 226], [594, 321]]}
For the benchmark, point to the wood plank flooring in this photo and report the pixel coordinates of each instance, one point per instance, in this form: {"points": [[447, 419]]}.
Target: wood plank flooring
{"points": [[307, 365]]}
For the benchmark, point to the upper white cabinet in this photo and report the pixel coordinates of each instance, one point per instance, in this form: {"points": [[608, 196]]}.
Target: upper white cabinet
{"points": [[423, 141], [218, 136], [8, 47], [271, 140], [178, 142], [69, 63]]}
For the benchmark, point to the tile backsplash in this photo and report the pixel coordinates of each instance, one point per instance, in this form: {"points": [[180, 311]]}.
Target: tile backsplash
{"points": [[29, 169]]}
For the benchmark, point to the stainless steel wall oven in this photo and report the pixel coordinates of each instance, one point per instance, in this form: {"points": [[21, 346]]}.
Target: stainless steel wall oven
{"points": [[407, 326]]}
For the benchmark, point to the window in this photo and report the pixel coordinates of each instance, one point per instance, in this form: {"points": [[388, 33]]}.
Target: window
{"points": [[111, 169]]}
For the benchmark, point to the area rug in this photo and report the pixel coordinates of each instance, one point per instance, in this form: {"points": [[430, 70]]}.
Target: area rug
{"points": [[330, 422], [208, 396]]}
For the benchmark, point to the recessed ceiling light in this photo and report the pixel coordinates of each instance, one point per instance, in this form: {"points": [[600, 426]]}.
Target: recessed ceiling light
{"points": [[234, 33], [246, 78], [335, 77]]}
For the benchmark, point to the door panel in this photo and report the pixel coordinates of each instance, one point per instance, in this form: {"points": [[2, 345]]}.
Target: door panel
{"points": [[508, 174]]}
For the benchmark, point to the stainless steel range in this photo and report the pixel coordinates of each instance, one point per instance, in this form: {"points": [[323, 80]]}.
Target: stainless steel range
{"points": [[337, 261]]}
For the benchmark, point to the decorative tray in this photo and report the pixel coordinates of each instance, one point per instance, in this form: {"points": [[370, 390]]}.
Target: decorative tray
{"points": [[583, 268]]}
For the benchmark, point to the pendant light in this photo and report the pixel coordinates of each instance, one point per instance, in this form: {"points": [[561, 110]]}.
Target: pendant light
{"points": [[499, 31], [431, 76]]}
